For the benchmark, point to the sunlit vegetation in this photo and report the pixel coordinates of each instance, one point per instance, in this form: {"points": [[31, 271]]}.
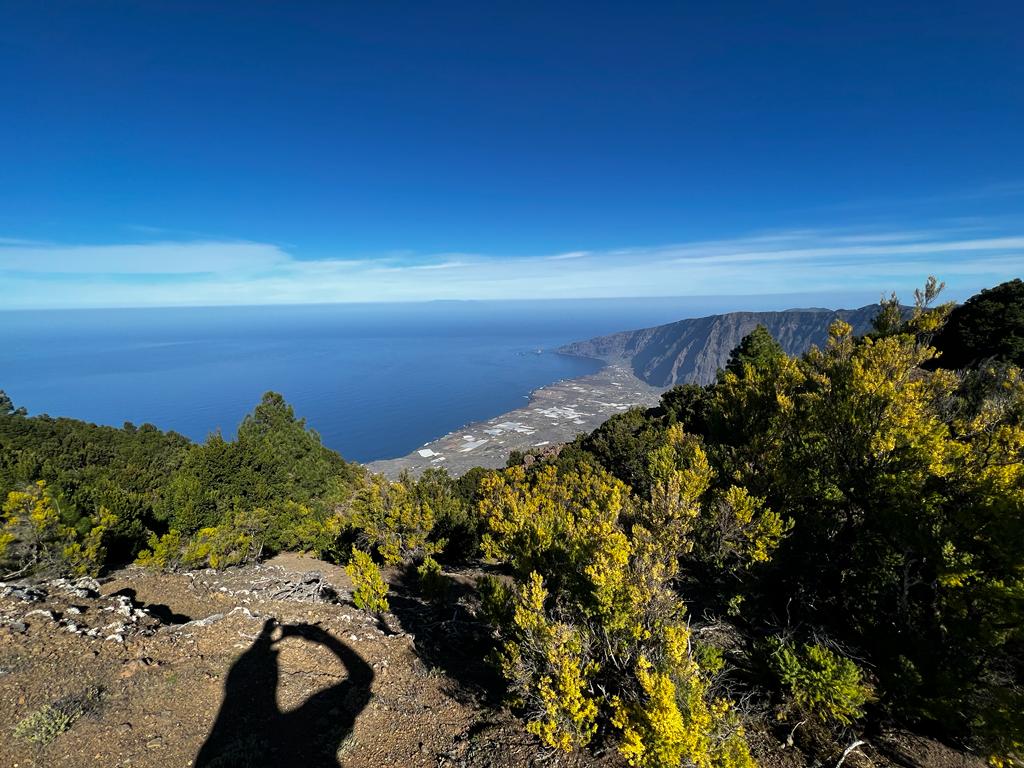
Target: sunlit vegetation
{"points": [[854, 518], [820, 683], [593, 631], [79, 497], [860, 493], [370, 590]]}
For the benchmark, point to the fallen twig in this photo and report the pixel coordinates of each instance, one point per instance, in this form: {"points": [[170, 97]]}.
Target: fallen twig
{"points": [[848, 750]]}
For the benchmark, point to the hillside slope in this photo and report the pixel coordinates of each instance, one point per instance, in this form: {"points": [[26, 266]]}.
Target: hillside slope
{"points": [[260, 665], [272, 665], [692, 351]]}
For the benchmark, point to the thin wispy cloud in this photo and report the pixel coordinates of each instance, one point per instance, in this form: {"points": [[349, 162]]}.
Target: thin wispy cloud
{"points": [[157, 258], [930, 247], [203, 272], [568, 256], [431, 266]]}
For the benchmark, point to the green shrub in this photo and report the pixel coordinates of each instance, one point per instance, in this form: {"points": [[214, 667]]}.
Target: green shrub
{"points": [[999, 724], [44, 725], [164, 552], [456, 528], [49, 722], [433, 583], [822, 684], [304, 528], [709, 658], [496, 600], [370, 590], [593, 633]]}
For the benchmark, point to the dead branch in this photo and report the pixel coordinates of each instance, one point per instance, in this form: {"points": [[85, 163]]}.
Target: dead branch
{"points": [[846, 753]]}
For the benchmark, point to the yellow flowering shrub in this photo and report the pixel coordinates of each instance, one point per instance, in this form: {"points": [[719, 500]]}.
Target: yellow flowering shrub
{"points": [[595, 630], [164, 552], [31, 520], [549, 674], [680, 476], [6, 539], [33, 537], [675, 724], [745, 531], [551, 517], [369, 588], [219, 547], [85, 555], [396, 522]]}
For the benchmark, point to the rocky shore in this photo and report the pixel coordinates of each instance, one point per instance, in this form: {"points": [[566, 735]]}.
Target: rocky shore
{"points": [[555, 414]]}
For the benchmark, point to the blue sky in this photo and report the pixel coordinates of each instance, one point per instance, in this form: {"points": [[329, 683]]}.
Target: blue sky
{"points": [[176, 153]]}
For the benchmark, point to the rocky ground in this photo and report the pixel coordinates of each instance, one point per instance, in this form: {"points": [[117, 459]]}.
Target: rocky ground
{"points": [[272, 665], [555, 414], [146, 664]]}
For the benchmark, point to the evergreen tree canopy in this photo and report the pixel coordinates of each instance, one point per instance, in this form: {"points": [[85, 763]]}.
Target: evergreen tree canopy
{"points": [[7, 406], [275, 459], [988, 326], [757, 349], [148, 479]]}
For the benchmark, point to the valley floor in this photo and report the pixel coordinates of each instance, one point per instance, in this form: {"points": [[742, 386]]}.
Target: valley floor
{"points": [[555, 414]]}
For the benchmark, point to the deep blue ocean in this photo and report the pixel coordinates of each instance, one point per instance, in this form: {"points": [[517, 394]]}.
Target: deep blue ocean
{"points": [[375, 380]]}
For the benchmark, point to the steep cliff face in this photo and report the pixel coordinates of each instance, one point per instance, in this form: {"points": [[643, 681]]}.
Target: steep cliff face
{"points": [[692, 351]]}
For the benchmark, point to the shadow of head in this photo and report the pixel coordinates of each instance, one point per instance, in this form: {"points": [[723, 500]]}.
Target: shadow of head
{"points": [[251, 730], [157, 610]]}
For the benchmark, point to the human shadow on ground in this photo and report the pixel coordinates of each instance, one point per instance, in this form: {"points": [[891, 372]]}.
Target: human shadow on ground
{"points": [[157, 610], [251, 730], [450, 635]]}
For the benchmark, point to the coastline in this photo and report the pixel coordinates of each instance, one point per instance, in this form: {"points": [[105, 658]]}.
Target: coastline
{"points": [[555, 413]]}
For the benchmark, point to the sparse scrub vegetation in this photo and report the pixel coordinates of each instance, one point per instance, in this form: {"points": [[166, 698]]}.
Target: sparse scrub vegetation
{"points": [[370, 590], [820, 682], [870, 492], [432, 582], [44, 725], [48, 722], [858, 492]]}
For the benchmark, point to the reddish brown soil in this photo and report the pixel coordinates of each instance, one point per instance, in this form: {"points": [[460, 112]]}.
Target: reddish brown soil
{"points": [[351, 689]]}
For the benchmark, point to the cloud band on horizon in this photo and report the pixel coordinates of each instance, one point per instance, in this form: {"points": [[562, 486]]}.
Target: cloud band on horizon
{"points": [[209, 272]]}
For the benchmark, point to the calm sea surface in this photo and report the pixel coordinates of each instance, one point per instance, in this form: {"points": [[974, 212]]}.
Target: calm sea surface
{"points": [[375, 380]]}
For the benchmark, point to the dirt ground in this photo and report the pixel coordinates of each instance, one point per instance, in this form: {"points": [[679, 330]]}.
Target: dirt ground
{"points": [[199, 660], [272, 665]]}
